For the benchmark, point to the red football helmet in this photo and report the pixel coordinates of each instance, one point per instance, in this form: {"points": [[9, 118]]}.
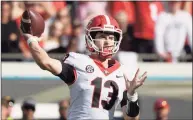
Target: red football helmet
{"points": [[103, 23]]}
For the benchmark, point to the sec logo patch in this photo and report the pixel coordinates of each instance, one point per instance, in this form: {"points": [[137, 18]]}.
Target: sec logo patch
{"points": [[89, 69]]}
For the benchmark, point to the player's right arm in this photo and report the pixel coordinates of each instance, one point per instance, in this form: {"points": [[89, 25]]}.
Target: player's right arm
{"points": [[41, 57], [43, 60], [59, 68]]}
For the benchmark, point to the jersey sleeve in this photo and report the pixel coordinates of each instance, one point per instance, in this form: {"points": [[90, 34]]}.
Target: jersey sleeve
{"points": [[68, 73]]}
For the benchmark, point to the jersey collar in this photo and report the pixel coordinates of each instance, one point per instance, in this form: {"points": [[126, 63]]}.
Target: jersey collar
{"points": [[113, 65]]}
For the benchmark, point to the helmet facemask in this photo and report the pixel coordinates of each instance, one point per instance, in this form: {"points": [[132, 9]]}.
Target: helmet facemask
{"points": [[106, 50]]}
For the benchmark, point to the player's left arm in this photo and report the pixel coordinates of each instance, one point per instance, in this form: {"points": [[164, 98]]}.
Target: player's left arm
{"points": [[130, 109], [129, 104]]}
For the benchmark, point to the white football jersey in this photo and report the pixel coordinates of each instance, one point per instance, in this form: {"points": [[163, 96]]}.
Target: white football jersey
{"points": [[97, 91]]}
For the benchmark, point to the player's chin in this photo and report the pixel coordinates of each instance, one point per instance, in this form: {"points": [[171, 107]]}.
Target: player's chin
{"points": [[106, 55]]}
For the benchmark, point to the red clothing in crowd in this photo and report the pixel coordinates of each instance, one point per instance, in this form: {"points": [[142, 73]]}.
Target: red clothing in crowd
{"points": [[189, 8], [128, 7], [59, 5], [146, 14]]}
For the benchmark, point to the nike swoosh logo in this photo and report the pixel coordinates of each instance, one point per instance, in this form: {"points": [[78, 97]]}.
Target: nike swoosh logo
{"points": [[119, 76]]}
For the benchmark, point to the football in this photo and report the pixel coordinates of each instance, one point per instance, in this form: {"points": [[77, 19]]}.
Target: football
{"points": [[32, 22]]}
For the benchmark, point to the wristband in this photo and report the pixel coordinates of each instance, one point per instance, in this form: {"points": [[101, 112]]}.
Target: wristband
{"points": [[32, 39], [132, 108], [132, 98]]}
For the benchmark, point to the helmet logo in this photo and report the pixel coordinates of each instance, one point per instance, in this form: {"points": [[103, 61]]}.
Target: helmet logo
{"points": [[108, 27]]}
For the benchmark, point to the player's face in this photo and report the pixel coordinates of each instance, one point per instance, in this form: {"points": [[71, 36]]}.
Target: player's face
{"points": [[105, 42]]}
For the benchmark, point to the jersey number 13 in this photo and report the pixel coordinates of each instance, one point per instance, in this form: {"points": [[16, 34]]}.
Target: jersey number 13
{"points": [[97, 83]]}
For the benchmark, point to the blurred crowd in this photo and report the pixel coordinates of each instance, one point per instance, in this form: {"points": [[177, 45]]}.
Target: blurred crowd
{"points": [[28, 108], [161, 109], [164, 28]]}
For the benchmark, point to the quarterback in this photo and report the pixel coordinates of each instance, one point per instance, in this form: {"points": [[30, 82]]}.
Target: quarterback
{"points": [[97, 82]]}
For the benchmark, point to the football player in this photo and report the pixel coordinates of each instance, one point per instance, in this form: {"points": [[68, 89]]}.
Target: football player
{"points": [[97, 82]]}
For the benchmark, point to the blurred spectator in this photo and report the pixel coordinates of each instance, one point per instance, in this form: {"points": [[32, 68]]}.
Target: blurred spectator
{"points": [[63, 108], [146, 15], [17, 10], [73, 44], [114, 7], [10, 32], [59, 5], [171, 30], [78, 34], [86, 10], [46, 9], [6, 106], [77, 28], [71, 47], [64, 17], [187, 6], [161, 109], [136, 19], [59, 49], [55, 32], [28, 109], [122, 19], [55, 44], [124, 12]]}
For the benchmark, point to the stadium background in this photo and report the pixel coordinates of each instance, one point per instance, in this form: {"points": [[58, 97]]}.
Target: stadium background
{"points": [[22, 78]]}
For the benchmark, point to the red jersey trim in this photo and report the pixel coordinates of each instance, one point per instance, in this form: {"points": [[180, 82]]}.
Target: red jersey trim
{"points": [[106, 71]]}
